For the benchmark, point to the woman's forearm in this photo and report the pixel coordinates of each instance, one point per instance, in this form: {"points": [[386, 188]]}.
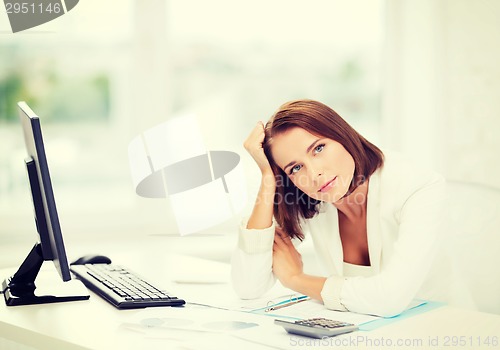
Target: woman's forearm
{"points": [[307, 285], [262, 213]]}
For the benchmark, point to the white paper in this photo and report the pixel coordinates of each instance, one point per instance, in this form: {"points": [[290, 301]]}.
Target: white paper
{"points": [[191, 318]]}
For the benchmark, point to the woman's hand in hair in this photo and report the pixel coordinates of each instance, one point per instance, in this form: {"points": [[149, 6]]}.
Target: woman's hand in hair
{"points": [[287, 261], [253, 144], [262, 214]]}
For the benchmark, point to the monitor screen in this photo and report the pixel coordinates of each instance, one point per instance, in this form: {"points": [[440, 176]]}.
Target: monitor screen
{"points": [[20, 289]]}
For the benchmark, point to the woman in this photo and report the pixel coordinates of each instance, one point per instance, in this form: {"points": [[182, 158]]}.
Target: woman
{"points": [[373, 218]]}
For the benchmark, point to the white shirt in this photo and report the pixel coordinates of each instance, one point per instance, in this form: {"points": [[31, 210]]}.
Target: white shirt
{"points": [[352, 270], [404, 211]]}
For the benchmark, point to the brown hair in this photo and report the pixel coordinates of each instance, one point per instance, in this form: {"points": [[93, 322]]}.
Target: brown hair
{"points": [[290, 203]]}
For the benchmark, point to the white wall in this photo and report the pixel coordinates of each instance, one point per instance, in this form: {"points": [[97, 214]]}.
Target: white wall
{"points": [[442, 85], [472, 90]]}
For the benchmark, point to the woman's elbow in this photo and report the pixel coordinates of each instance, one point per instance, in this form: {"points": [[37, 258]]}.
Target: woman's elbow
{"points": [[246, 293], [395, 307], [390, 312], [246, 288], [386, 306], [251, 274]]}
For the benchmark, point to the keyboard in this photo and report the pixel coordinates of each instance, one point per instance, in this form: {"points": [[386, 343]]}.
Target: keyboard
{"points": [[123, 288]]}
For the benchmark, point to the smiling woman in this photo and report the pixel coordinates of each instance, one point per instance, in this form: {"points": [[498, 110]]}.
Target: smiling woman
{"points": [[374, 217]]}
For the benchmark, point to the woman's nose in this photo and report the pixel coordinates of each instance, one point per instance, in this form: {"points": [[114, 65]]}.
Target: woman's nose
{"points": [[315, 172]]}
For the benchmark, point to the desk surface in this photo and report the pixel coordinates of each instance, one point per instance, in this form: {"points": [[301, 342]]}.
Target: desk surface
{"points": [[95, 324]]}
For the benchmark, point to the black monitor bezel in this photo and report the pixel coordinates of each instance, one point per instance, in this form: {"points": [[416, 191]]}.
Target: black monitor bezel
{"points": [[49, 228]]}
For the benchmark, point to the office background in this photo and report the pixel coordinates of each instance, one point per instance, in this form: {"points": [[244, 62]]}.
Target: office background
{"points": [[420, 76]]}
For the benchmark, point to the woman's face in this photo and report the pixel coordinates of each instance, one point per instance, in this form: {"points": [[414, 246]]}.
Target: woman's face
{"points": [[318, 166]]}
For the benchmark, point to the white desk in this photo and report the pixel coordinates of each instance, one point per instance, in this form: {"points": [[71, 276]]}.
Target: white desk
{"points": [[95, 324]]}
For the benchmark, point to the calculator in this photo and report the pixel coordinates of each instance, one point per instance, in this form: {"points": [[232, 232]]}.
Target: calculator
{"points": [[317, 327]]}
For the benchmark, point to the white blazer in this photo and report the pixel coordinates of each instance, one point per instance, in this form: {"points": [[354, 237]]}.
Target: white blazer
{"points": [[404, 218]]}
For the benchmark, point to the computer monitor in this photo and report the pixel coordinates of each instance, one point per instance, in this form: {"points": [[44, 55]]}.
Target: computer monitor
{"points": [[20, 289]]}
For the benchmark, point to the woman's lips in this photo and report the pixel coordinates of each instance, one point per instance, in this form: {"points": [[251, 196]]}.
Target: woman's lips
{"points": [[326, 187]]}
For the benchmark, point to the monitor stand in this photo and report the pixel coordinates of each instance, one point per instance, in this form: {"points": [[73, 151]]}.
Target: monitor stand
{"points": [[20, 289]]}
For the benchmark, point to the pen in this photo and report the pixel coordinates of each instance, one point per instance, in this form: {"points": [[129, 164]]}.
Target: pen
{"points": [[288, 303]]}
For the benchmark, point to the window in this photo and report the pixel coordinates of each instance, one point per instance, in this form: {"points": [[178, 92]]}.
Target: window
{"points": [[104, 73]]}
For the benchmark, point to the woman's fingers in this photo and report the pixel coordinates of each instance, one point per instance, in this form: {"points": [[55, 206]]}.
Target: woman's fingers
{"points": [[278, 241], [284, 236], [253, 144], [280, 232], [255, 138]]}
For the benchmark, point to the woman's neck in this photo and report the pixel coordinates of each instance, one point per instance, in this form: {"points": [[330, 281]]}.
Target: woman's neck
{"points": [[353, 206]]}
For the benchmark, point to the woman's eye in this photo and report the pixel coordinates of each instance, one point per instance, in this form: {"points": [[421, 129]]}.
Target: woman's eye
{"points": [[295, 169], [318, 148]]}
